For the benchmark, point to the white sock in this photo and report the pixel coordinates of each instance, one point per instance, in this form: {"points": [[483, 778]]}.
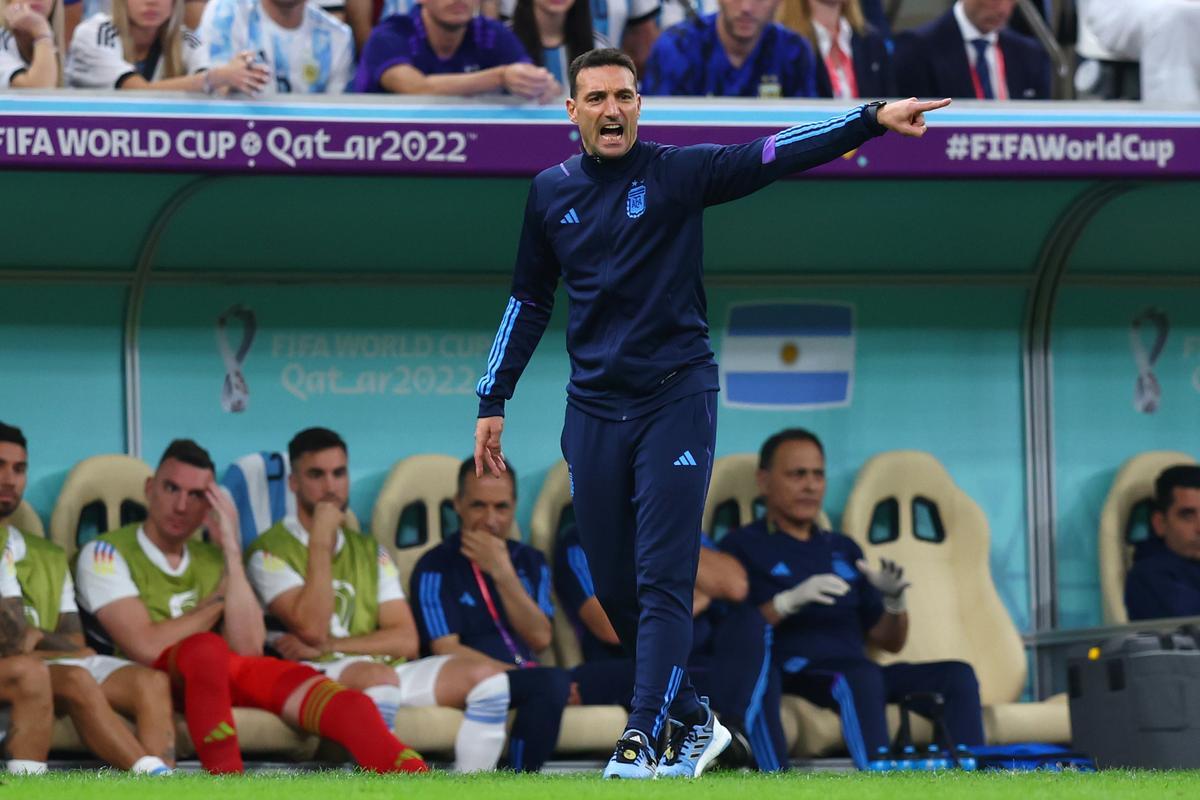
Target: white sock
{"points": [[150, 765], [21, 766], [387, 699], [480, 739]]}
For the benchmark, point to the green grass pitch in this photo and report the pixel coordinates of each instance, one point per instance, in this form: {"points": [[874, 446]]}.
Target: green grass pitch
{"points": [[717, 786]]}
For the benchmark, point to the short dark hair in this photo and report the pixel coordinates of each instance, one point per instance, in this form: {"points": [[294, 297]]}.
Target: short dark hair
{"points": [[1180, 476], [314, 440], [603, 57], [767, 453], [12, 435], [467, 467], [188, 452]]}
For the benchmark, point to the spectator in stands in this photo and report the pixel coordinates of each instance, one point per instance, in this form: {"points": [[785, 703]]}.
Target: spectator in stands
{"points": [[31, 45], [479, 593], [631, 25], [1161, 34], [553, 32], [738, 52], [676, 11], [827, 604], [158, 591], [729, 648], [304, 49], [854, 59], [24, 679], [144, 45], [442, 47], [87, 687], [78, 10], [968, 52], [1165, 578], [363, 15], [352, 622]]}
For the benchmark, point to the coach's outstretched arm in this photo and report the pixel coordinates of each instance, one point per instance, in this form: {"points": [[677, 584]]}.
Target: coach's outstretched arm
{"points": [[718, 174], [535, 278]]}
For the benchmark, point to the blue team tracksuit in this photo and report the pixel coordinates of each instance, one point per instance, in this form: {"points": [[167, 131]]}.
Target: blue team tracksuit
{"points": [[819, 652], [625, 235]]}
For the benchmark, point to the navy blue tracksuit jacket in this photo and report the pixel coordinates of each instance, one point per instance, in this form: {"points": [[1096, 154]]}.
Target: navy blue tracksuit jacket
{"points": [[625, 235]]}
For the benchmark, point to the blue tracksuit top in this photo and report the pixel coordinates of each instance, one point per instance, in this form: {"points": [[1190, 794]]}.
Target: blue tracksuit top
{"points": [[625, 235]]}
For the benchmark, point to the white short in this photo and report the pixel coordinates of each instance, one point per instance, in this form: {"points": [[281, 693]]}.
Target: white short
{"points": [[99, 667], [417, 678]]}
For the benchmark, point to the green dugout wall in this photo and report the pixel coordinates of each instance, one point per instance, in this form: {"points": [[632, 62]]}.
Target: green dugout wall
{"points": [[992, 328]]}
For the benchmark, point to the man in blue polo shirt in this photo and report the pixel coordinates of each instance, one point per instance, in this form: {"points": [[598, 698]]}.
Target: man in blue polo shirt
{"points": [[442, 47], [827, 604], [738, 52], [480, 592], [1165, 578]]}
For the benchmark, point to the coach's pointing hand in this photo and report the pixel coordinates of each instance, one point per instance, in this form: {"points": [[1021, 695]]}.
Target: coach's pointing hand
{"points": [[487, 446], [907, 117]]}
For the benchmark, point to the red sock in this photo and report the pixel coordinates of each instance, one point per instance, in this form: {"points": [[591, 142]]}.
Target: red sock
{"points": [[351, 719], [200, 663]]}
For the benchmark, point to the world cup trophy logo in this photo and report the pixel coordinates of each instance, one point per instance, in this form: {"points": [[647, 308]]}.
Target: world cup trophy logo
{"points": [[1147, 393], [235, 393]]}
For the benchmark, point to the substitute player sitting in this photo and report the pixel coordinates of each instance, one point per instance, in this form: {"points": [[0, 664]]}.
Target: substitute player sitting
{"points": [[86, 686], [159, 592], [337, 594], [827, 604], [479, 593]]}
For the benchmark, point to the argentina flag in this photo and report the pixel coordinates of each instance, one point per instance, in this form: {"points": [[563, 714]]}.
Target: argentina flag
{"points": [[788, 355]]}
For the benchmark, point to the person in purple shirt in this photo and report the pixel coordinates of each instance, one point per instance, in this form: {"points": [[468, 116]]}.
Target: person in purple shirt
{"points": [[738, 52], [441, 47]]}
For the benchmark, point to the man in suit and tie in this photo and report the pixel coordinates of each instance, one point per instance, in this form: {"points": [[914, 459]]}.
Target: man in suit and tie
{"points": [[968, 52]]}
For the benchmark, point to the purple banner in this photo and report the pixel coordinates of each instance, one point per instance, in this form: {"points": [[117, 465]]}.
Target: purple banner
{"points": [[222, 144]]}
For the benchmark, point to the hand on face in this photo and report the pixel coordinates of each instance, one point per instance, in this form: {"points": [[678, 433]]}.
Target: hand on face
{"points": [[222, 519], [327, 520], [488, 551], [22, 17]]}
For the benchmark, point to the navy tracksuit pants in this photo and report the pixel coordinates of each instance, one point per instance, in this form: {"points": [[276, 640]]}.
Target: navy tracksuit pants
{"points": [[638, 487], [860, 689], [732, 666]]}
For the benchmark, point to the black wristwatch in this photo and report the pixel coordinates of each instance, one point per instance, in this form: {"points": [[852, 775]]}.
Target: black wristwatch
{"points": [[872, 112]]}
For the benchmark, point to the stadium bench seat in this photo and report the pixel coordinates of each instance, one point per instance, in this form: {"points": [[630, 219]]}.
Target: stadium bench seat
{"points": [[115, 485], [26, 519], [1125, 520], [905, 506]]}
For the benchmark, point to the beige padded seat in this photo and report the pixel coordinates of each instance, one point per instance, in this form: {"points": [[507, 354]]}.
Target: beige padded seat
{"points": [[1133, 486], [955, 611], [111, 480], [25, 519]]}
